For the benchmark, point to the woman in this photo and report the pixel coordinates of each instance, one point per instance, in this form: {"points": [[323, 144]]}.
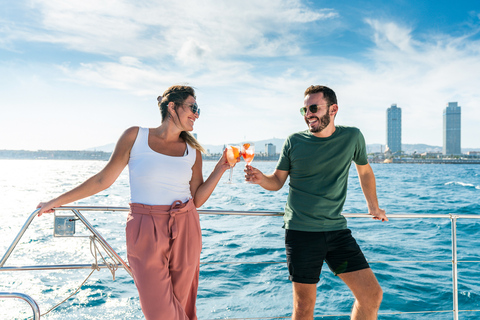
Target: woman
{"points": [[166, 184]]}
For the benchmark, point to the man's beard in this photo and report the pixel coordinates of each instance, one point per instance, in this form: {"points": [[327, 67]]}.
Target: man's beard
{"points": [[324, 121]]}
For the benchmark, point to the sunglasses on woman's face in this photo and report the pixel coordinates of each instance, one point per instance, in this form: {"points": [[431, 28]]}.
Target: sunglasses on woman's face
{"points": [[312, 108], [195, 109]]}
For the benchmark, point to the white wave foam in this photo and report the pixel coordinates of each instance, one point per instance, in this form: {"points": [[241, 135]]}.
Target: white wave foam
{"points": [[458, 183]]}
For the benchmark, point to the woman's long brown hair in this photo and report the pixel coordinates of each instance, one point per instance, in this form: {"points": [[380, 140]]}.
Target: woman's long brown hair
{"points": [[178, 94]]}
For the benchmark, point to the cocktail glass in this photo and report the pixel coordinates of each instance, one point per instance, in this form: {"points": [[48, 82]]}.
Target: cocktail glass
{"points": [[248, 152], [233, 153]]}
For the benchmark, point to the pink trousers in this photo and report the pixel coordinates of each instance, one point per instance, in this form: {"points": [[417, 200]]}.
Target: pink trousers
{"points": [[163, 250]]}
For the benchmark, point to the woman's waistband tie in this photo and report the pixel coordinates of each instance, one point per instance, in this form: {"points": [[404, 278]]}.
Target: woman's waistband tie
{"points": [[177, 207]]}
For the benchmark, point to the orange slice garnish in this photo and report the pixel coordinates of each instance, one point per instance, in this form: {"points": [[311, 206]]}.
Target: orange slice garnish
{"points": [[236, 152]]}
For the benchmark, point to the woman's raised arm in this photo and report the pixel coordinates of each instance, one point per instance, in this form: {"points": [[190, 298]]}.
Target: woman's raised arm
{"points": [[100, 181]]}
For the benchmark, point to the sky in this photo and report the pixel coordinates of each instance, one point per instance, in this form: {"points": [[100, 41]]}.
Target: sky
{"points": [[76, 74]]}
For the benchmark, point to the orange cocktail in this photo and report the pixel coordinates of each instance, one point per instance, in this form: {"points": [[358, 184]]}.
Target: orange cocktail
{"points": [[233, 153], [248, 152]]}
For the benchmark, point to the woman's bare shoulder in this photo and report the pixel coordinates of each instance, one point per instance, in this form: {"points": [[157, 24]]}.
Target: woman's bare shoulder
{"points": [[127, 139], [130, 134]]}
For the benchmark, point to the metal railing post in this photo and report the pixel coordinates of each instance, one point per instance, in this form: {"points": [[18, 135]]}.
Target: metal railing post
{"points": [[106, 246], [18, 237], [33, 304], [454, 266]]}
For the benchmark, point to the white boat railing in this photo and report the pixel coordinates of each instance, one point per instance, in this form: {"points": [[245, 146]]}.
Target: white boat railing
{"points": [[120, 263], [33, 304]]}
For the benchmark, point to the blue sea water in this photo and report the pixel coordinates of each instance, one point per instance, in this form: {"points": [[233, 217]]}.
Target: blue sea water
{"points": [[411, 257]]}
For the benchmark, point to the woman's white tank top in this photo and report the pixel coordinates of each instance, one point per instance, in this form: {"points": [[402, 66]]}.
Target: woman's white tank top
{"points": [[158, 179]]}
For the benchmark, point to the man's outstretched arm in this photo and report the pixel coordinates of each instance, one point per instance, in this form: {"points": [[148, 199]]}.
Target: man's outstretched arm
{"points": [[369, 188]]}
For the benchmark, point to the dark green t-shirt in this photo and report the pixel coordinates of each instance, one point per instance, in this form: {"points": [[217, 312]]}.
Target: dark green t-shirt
{"points": [[318, 169]]}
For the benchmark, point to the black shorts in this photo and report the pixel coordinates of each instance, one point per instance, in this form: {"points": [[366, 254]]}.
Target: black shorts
{"points": [[306, 252]]}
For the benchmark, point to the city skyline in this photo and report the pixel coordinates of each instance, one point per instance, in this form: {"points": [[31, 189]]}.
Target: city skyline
{"points": [[76, 85], [452, 129]]}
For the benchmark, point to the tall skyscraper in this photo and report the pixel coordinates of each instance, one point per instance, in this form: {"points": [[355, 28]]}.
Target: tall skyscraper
{"points": [[394, 129], [270, 149], [452, 129]]}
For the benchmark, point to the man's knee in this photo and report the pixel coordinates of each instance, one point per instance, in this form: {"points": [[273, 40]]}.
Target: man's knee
{"points": [[365, 287], [303, 310], [304, 296], [304, 305], [373, 299]]}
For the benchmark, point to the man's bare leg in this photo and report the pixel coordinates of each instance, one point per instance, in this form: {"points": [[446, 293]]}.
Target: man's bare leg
{"points": [[367, 291], [304, 297]]}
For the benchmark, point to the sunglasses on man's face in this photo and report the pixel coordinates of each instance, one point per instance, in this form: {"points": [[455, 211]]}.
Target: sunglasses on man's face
{"points": [[313, 109], [195, 109]]}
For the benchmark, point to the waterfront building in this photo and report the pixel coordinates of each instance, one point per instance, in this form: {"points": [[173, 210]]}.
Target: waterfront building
{"points": [[270, 149], [394, 129], [431, 154], [452, 129], [473, 154]]}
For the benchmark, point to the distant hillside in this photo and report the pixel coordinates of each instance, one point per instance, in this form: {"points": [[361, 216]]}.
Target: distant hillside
{"points": [[105, 148], [407, 148], [413, 148], [54, 154], [260, 147]]}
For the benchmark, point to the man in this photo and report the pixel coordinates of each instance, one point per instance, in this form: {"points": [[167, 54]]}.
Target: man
{"points": [[318, 161]]}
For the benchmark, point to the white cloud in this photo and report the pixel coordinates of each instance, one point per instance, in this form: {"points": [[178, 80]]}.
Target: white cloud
{"points": [[126, 75], [130, 61], [157, 29], [6, 35], [389, 34], [191, 52]]}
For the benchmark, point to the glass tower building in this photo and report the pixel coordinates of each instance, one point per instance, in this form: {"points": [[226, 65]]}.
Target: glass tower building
{"points": [[452, 129], [270, 149], [394, 129]]}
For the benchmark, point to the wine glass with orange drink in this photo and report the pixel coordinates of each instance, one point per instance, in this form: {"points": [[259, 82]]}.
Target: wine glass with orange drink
{"points": [[233, 153], [248, 152]]}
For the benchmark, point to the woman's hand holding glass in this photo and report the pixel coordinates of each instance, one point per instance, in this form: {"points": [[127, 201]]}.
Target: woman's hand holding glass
{"points": [[233, 156]]}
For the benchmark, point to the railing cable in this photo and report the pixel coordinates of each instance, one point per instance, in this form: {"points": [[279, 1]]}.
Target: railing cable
{"points": [[75, 292], [111, 266], [93, 250]]}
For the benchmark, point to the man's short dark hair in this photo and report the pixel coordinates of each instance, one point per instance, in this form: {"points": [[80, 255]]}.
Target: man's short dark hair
{"points": [[328, 93]]}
